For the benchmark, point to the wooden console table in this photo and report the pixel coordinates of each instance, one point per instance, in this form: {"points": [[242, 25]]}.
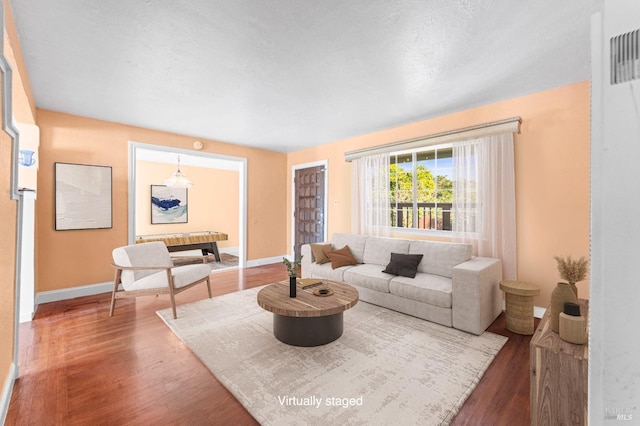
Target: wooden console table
{"points": [[558, 376]]}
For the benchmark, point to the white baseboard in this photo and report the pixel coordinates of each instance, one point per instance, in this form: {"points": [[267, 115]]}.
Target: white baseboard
{"points": [[7, 390], [26, 316], [71, 293], [538, 312], [92, 289], [264, 261]]}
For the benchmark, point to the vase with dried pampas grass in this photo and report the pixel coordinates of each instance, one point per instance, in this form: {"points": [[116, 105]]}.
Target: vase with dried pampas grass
{"points": [[572, 271]]}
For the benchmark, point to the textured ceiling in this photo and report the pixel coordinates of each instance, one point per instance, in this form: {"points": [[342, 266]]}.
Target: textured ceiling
{"points": [[288, 74]]}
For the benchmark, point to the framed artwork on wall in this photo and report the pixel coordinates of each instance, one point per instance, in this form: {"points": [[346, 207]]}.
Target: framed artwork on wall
{"points": [[168, 205], [83, 197]]}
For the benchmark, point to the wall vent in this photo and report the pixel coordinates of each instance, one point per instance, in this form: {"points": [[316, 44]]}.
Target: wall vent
{"points": [[625, 57]]}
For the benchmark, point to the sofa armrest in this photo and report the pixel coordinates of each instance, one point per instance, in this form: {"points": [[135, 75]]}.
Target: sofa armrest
{"points": [[476, 297], [307, 261]]}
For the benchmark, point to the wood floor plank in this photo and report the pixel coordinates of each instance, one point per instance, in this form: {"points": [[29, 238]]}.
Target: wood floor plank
{"points": [[79, 366]]}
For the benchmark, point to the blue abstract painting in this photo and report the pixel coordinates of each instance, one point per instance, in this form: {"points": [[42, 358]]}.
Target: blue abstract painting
{"points": [[168, 205]]}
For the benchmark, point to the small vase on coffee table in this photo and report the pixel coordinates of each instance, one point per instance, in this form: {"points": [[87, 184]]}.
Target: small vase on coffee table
{"points": [[292, 286]]}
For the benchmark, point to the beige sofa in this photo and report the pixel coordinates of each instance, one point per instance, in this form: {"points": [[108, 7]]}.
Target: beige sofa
{"points": [[451, 287]]}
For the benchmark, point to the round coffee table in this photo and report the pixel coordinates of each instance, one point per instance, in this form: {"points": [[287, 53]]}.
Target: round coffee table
{"points": [[307, 319]]}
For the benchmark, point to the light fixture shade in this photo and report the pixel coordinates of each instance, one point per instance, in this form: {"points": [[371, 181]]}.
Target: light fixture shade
{"points": [[178, 180]]}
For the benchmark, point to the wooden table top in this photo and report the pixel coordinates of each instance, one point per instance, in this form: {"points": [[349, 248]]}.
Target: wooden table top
{"points": [[275, 298], [519, 288], [181, 239]]}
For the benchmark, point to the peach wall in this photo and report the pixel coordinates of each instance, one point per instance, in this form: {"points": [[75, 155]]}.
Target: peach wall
{"points": [[22, 103], [7, 264], [212, 200], [66, 259], [552, 175]]}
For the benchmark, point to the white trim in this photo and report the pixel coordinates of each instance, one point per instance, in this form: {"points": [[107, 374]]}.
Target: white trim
{"points": [[73, 292], [538, 312], [107, 287], [7, 390], [8, 125], [322, 163], [242, 199], [472, 132], [265, 261]]}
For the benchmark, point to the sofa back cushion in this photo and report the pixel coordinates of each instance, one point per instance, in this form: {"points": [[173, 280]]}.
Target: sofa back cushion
{"points": [[355, 242], [440, 258], [378, 250]]}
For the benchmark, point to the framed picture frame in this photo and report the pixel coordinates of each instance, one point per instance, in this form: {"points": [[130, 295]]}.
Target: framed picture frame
{"points": [[169, 205], [83, 197]]}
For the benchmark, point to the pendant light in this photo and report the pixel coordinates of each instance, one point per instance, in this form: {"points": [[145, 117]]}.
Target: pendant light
{"points": [[178, 180]]}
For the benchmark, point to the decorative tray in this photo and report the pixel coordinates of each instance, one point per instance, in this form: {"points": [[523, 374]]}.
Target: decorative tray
{"points": [[323, 292]]}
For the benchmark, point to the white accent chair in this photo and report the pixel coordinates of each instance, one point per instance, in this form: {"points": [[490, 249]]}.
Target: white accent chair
{"points": [[147, 269]]}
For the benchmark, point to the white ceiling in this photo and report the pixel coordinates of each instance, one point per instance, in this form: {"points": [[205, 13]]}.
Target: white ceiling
{"points": [[288, 74]]}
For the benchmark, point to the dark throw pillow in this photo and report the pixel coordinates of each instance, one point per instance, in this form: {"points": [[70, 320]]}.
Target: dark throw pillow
{"points": [[405, 265], [341, 257], [319, 252]]}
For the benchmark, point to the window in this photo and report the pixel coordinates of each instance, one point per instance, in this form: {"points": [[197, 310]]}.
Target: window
{"points": [[421, 188]]}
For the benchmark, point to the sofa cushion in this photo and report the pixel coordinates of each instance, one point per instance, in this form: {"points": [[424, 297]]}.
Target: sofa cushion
{"points": [[325, 271], [405, 265], [369, 276], [378, 249], [319, 252], [341, 257], [355, 242], [440, 258], [427, 288]]}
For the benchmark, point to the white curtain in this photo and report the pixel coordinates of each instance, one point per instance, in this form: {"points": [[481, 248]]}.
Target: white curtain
{"points": [[370, 195], [484, 205]]}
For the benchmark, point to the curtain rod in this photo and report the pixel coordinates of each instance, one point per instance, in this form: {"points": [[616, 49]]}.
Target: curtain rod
{"points": [[494, 127]]}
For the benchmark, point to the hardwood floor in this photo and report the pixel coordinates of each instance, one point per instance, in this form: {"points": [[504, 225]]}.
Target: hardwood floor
{"points": [[78, 366]]}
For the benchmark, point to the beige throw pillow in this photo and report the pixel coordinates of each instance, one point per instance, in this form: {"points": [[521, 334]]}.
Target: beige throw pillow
{"points": [[341, 257], [318, 251]]}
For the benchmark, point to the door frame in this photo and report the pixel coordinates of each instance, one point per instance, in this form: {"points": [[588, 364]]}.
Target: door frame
{"points": [[242, 188], [325, 164]]}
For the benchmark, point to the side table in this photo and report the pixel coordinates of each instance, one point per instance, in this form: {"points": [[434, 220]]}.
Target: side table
{"points": [[559, 376], [519, 303]]}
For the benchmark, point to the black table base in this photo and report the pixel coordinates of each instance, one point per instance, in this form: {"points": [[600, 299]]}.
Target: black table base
{"points": [[207, 248], [307, 331]]}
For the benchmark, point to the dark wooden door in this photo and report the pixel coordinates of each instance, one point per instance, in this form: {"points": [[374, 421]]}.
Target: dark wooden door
{"points": [[309, 206]]}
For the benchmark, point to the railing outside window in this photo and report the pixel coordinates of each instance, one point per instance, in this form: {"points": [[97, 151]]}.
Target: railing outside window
{"points": [[434, 216]]}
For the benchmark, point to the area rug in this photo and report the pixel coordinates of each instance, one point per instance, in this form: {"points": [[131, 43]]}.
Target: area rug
{"points": [[226, 261], [386, 368]]}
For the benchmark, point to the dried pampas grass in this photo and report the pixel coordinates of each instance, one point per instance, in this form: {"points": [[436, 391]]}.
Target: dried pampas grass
{"points": [[572, 270]]}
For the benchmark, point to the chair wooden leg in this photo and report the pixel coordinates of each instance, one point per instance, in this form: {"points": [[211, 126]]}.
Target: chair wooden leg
{"points": [[172, 294], [173, 305], [209, 286], [116, 282]]}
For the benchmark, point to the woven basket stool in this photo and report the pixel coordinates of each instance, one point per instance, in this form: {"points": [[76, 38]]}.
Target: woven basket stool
{"points": [[519, 302]]}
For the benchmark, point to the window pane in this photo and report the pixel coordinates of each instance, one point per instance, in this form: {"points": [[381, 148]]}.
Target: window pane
{"points": [[430, 206], [401, 186], [444, 176], [425, 168]]}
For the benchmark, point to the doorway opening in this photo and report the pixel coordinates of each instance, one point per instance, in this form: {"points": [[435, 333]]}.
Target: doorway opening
{"points": [[141, 154]]}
